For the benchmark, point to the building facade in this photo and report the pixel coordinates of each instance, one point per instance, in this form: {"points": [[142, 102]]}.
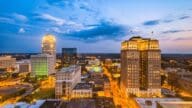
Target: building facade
{"points": [[66, 79], [69, 56], [7, 62], [49, 46], [23, 66], [42, 65], [82, 90], [140, 67]]}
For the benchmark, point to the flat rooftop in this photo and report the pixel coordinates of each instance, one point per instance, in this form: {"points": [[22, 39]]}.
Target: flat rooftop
{"points": [[152, 102], [80, 86], [180, 104], [71, 68], [41, 55], [6, 58]]}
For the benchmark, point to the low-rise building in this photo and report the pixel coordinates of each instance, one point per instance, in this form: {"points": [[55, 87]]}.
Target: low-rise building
{"points": [[23, 66], [153, 102], [180, 78], [82, 90], [7, 62]]}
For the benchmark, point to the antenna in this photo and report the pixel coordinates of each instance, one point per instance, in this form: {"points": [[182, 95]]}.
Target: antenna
{"points": [[152, 33]]}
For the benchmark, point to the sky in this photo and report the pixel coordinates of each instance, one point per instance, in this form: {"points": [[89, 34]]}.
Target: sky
{"points": [[94, 26]]}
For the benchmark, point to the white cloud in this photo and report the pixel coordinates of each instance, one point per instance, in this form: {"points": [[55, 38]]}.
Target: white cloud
{"points": [[7, 20], [20, 17], [21, 30], [58, 21], [54, 29]]}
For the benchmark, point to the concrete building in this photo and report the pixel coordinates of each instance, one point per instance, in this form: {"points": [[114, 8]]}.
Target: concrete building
{"points": [[7, 62], [107, 87], [23, 66], [69, 56], [66, 79], [49, 46], [82, 90], [180, 78], [162, 103], [42, 65], [140, 67]]}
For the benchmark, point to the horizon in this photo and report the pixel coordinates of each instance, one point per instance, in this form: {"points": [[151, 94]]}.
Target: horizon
{"points": [[93, 28]]}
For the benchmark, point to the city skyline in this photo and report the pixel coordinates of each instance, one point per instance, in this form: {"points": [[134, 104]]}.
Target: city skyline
{"points": [[94, 28]]}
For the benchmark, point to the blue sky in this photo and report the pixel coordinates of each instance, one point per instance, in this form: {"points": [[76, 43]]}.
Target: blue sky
{"points": [[95, 25]]}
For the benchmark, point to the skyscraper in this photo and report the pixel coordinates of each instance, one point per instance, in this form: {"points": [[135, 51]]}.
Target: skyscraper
{"points": [[69, 56], [140, 67], [42, 65], [49, 46]]}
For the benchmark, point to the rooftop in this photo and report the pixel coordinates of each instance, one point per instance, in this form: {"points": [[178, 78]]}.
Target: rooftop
{"points": [[152, 102], [71, 68], [6, 58], [140, 38], [42, 55], [83, 86]]}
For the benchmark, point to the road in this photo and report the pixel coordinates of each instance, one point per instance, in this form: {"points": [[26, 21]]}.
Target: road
{"points": [[29, 90], [119, 96]]}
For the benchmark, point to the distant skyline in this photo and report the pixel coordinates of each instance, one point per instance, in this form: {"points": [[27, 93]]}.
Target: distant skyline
{"points": [[94, 26]]}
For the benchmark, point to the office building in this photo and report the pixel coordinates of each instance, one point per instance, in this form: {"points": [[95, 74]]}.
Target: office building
{"points": [[140, 67], [49, 46], [66, 79], [42, 65], [69, 56]]}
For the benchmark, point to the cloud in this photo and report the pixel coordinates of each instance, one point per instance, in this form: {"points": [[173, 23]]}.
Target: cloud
{"points": [[54, 29], [86, 6], [21, 30], [164, 20], [174, 31], [20, 17], [183, 38], [184, 17], [103, 31], [59, 21], [6, 20], [151, 22], [61, 3], [167, 20], [49, 17]]}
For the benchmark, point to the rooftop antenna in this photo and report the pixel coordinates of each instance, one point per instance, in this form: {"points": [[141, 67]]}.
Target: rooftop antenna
{"points": [[152, 33]]}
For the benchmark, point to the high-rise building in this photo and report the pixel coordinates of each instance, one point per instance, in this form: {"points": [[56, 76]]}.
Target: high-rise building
{"points": [[66, 79], [69, 56], [49, 46], [140, 67], [42, 65]]}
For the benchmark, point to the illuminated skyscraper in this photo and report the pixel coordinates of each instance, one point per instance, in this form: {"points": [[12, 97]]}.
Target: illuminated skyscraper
{"points": [[140, 67], [69, 56], [49, 46], [42, 65]]}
